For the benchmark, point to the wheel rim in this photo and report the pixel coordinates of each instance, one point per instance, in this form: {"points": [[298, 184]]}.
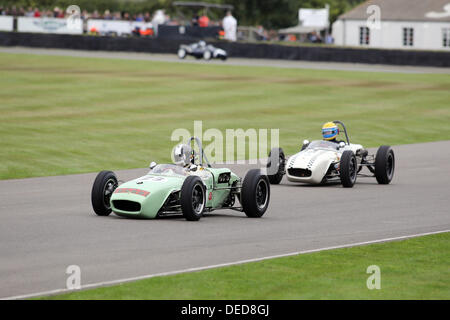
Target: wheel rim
{"points": [[108, 190], [261, 193], [198, 199], [390, 165], [352, 169]]}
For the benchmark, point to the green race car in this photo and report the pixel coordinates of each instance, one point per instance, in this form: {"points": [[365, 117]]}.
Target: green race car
{"points": [[187, 187]]}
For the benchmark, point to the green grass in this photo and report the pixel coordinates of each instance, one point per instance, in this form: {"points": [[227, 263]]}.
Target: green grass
{"points": [[63, 115], [410, 269]]}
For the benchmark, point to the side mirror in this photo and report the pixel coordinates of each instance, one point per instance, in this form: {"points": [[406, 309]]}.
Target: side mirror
{"points": [[305, 142], [341, 144], [152, 165]]}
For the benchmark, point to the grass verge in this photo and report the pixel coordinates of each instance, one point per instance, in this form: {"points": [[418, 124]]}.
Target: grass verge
{"points": [[416, 268], [64, 115]]}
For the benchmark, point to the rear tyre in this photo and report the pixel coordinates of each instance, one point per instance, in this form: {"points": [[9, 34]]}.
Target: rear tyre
{"points": [[275, 165], [104, 185], [348, 169], [384, 165], [181, 53], [193, 198], [255, 194]]}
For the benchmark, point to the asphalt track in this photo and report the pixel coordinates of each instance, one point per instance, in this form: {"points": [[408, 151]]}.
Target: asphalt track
{"points": [[291, 64], [47, 224]]}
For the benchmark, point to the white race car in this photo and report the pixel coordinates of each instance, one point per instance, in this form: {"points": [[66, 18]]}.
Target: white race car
{"points": [[201, 50], [322, 161]]}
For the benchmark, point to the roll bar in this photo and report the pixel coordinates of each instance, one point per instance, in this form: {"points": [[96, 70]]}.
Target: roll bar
{"points": [[345, 129], [202, 153]]}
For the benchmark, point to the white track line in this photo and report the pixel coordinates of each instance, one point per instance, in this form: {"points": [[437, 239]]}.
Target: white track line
{"points": [[113, 282]]}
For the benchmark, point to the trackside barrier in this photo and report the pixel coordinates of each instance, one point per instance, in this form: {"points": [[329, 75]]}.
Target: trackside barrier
{"points": [[6, 23], [119, 27], [243, 50], [48, 25]]}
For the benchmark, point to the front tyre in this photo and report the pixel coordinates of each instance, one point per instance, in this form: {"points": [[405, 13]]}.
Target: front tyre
{"points": [[348, 169], [384, 165], [207, 55], [181, 53], [275, 166], [255, 194], [193, 198], [104, 185]]}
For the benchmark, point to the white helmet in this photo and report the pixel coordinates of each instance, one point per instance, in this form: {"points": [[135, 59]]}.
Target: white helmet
{"points": [[181, 154]]}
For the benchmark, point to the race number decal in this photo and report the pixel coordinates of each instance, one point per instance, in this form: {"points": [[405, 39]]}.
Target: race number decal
{"points": [[153, 179]]}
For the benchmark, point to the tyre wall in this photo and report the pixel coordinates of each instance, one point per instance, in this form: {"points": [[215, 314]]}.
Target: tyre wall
{"points": [[241, 50]]}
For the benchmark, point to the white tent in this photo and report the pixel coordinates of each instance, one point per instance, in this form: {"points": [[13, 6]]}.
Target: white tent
{"points": [[310, 20]]}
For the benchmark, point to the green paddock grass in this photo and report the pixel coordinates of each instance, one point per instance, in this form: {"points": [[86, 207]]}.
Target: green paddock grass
{"points": [[64, 115], [416, 268]]}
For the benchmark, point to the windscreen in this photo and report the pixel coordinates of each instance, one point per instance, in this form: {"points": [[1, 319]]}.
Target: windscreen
{"points": [[169, 170], [322, 144]]}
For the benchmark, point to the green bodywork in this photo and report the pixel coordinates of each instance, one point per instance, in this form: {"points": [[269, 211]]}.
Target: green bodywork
{"points": [[152, 191]]}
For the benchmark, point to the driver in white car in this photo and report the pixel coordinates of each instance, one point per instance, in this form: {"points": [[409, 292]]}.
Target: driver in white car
{"points": [[330, 131]]}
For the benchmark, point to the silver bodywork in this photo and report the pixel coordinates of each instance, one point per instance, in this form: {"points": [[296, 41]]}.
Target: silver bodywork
{"points": [[201, 50], [216, 52]]}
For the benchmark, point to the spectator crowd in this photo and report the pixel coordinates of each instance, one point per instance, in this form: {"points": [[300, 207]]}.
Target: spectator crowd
{"points": [[57, 12], [159, 17], [31, 12]]}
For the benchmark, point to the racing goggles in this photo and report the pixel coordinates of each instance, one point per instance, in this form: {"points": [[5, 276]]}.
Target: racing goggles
{"points": [[330, 132]]}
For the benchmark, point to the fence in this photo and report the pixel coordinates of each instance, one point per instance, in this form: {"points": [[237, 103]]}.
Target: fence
{"points": [[6, 23], [49, 25], [243, 50]]}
